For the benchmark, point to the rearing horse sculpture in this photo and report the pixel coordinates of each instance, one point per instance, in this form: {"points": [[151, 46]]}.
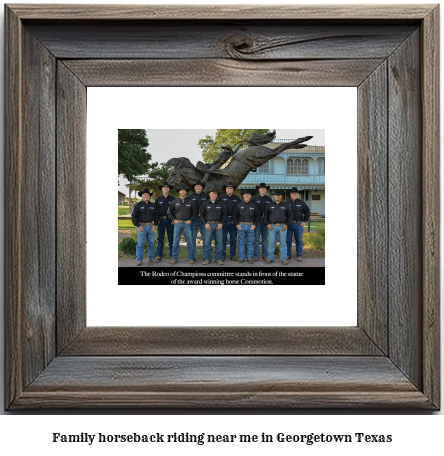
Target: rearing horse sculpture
{"points": [[246, 160]]}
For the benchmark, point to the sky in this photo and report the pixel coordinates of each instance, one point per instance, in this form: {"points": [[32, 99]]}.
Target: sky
{"points": [[165, 144]]}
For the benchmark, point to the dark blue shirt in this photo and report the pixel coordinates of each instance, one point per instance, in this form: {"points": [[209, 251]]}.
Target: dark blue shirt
{"points": [[197, 199], [300, 210], [261, 202], [163, 204], [230, 203], [144, 213]]}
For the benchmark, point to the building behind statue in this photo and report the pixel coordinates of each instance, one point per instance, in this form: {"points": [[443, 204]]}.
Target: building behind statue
{"points": [[301, 168]]}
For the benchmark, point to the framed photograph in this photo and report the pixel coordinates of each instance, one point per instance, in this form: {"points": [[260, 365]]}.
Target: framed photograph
{"points": [[389, 359]]}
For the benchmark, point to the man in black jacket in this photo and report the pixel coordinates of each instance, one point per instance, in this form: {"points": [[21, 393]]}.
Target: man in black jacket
{"points": [[162, 203], [145, 217], [277, 217], [182, 212], [301, 215], [246, 216], [229, 200], [198, 197], [261, 230], [213, 215]]}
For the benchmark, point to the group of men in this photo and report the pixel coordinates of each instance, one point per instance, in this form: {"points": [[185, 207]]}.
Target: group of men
{"points": [[215, 216]]}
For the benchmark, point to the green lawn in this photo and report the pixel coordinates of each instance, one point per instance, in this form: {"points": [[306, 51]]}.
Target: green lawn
{"points": [[123, 210], [126, 224], [314, 225]]}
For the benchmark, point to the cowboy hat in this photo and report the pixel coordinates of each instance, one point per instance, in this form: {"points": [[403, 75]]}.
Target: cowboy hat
{"points": [[228, 184], [182, 187], [262, 185], [165, 184], [145, 190], [199, 183]]}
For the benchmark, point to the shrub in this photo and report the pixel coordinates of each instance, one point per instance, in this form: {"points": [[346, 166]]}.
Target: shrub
{"points": [[128, 246], [321, 231], [313, 241]]}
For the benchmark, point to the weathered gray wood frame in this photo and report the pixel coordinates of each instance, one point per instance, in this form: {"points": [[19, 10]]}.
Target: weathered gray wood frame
{"points": [[390, 360]]}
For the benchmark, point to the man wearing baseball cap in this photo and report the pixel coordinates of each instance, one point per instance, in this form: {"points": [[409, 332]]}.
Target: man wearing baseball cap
{"points": [[246, 217], [301, 215], [261, 230], [162, 203], [277, 217], [182, 212], [145, 217]]}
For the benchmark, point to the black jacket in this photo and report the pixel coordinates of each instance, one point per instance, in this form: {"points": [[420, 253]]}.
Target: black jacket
{"points": [[163, 204], [277, 213], [213, 211], [144, 213], [246, 212], [261, 202], [199, 199], [300, 210], [230, 203], [182, 211]]}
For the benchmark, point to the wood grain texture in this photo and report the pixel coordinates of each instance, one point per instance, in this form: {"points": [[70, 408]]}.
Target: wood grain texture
{"points": [[373, 199], [236, 40], [13, 204], [89, 374], [234, 382], [430, 94], [96, 341], [209, 72], [405, 209], [38, 222], [220, 12], [71, 204]]}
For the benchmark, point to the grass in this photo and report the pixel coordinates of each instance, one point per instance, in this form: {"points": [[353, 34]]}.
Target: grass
{"points": [[126, 225], [123, 210], [314, 226], [313, 241]]}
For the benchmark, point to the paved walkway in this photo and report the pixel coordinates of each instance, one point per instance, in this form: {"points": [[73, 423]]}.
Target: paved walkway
{"points": [[165, 263]]}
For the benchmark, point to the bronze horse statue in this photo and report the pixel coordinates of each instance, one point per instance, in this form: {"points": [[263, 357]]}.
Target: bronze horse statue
{"points": [[246, 160]]}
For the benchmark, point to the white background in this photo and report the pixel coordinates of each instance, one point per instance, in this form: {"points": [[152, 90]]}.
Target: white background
{"points": [[331, 305], [25, 434]]}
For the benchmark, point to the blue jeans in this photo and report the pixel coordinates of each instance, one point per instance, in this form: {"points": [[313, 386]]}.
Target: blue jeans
{"points": [[150, 236], [164, 224], [298, 231], [277, 231], [178, 228], [228, 226], [197, 225], [217, 234], [246, 233], [261, 230]]}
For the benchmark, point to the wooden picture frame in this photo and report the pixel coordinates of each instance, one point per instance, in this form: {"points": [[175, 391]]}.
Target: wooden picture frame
{"points": [[390, 360]]}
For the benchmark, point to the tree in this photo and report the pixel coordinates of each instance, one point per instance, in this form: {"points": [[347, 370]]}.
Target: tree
{"points": [[133, 157], [212, 146], [156, 177]]}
